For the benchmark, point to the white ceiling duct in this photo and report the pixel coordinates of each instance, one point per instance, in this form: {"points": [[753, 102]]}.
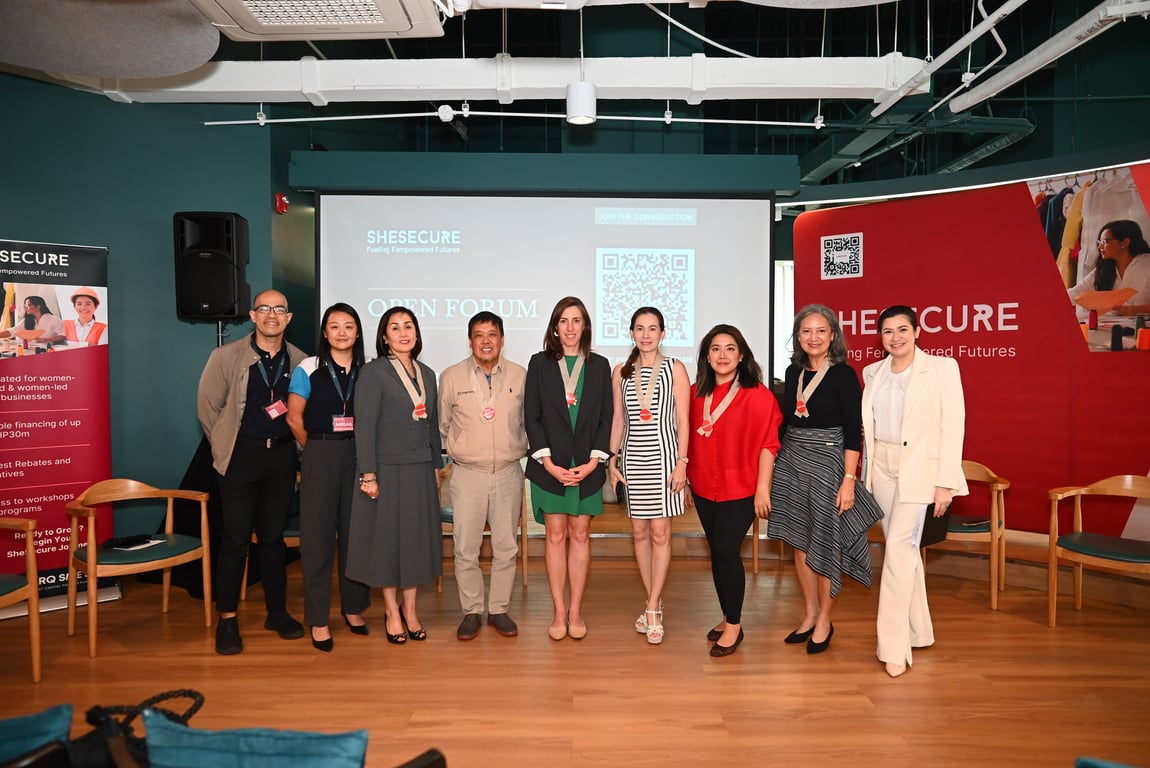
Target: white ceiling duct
{"points": [[691, 79], [1090, 26]]}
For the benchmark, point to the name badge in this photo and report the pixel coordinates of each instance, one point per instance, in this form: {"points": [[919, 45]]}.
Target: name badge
{"points": [[275, 410], [342, 423]]}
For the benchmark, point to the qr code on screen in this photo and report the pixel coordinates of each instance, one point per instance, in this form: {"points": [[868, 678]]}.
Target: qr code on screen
{"points": [[842, 256], [629, 278]]}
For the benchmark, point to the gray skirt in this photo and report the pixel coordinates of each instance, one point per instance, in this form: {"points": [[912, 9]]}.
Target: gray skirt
{"points": [[808, 473], [397, 539]]}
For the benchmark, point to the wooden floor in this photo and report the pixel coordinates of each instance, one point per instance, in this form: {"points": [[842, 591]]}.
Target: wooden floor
{"points": [[998, 689]]}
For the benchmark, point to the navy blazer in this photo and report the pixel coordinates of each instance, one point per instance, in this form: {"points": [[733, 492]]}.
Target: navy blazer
{"points": [[549, 422]]}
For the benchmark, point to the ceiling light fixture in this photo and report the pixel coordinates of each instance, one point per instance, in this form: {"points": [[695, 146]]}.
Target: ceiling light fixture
{"points": [[581, 94]]}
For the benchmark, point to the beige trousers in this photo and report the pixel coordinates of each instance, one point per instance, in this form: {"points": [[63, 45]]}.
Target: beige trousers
{"points": [[903, 613], [481, 498]]}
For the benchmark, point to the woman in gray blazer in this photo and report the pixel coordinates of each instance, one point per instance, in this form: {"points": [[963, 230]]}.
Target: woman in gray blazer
{"points": [[913, 420], [396, 538]]}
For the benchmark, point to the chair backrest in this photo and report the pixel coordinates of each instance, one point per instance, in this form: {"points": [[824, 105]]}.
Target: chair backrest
{"points": [[980, 473], [121, 489], [1130, 486]]}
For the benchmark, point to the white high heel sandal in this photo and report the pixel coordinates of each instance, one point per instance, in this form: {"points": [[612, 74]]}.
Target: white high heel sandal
{"points": [[654, 620]]}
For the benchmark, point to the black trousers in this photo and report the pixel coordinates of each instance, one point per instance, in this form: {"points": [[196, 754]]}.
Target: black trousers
{"points": [[327, 484], [726, 524], [255, 495]]}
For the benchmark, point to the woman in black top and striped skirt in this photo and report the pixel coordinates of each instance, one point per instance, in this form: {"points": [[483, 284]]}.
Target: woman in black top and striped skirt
{"points": [[815, 504]]}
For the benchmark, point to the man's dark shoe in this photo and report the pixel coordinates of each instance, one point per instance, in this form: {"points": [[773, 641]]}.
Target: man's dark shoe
{"points": [[469, 627], [284, 626], [228, 640], [503, 624]]}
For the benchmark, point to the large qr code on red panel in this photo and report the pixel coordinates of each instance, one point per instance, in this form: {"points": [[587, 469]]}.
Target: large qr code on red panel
{"points": [[842, 256], [629, 278]]}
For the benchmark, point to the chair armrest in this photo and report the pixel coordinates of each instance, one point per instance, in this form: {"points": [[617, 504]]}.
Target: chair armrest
{"points": [[18, 524], [1058, 494]]}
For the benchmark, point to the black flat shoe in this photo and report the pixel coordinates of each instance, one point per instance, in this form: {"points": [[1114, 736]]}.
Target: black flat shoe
{"points": [[322, 645], [714, 634], [813, 647], [719, 651], [356, 629], [797, 637]]}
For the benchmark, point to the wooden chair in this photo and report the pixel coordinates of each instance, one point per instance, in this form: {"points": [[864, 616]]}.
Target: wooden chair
{"points": [[990, 528], [447, 520], [173, 549], [755, 547], [18, 589], [1080, 547]]}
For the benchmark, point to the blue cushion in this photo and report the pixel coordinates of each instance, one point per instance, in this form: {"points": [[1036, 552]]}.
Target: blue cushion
{"points": [[447, 515], [21, 735], [10, 583], [172, 544], [171, 745], [1109, 547]]}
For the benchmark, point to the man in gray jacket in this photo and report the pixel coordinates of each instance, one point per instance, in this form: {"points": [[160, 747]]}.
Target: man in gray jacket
{"points": [[241, 405]]}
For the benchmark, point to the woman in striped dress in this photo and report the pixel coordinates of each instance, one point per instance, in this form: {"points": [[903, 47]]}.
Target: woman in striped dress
{"points": [[815, 505], [649, 435]]}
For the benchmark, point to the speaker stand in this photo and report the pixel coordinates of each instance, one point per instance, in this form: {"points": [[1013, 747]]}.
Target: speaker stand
{"points": [[220, 333]]}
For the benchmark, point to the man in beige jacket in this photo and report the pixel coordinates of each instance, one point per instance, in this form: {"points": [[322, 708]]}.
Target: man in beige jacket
{"points": [[481, 422]]}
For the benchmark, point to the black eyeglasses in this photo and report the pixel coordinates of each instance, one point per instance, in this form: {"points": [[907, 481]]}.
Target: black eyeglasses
{"points": [[266, 309]]}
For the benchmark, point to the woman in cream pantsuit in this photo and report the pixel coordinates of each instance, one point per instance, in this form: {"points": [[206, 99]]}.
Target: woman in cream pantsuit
{"points": [[913, 421]]}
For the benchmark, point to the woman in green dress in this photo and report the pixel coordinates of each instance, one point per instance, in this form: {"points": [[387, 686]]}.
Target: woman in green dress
{"points": [[568, 411]]}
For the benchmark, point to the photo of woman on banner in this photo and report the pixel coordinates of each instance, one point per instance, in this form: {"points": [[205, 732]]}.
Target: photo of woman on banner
{"points": [[85, 330], [1119, 284], [38, 322]]}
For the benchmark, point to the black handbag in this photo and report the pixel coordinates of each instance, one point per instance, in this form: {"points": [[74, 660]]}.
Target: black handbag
{"points": [[112, 743]]}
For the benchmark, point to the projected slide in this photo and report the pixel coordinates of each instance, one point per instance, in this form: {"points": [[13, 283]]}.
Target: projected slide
{"points": [[701, 262]]}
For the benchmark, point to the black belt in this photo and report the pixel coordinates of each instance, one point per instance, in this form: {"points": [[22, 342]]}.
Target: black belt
{"points": [[268, 442], [330, 435]]}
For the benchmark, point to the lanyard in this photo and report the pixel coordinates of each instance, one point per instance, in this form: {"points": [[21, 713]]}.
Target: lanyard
{"points": [[709, 416], [279, 372], [335, 382], [645, 395], [809, 389], [570, 380], [418, 397], [487, 403]]}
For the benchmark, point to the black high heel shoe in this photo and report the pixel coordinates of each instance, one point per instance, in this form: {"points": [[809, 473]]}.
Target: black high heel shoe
{"points": [[322, 645], [356, 629], [397, 639], [813, 647], [419, 635], [797, 637]]}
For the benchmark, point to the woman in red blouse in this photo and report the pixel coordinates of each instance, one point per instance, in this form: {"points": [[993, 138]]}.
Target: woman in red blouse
{"points": [[735, 436]]}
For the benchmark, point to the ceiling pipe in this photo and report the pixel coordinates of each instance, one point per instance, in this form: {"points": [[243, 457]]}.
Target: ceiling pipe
{"points": [[924, 75], [691, 79], [1094, 23]]}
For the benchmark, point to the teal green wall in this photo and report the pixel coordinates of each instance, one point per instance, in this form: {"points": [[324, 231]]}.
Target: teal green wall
{"points": [[78, 168]]}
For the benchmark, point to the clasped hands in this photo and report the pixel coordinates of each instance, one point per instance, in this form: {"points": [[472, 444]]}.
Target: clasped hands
{"points": [[569, 477]]}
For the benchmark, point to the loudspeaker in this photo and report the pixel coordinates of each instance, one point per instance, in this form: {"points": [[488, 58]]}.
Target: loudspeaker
{"points": [[211, 256]]}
